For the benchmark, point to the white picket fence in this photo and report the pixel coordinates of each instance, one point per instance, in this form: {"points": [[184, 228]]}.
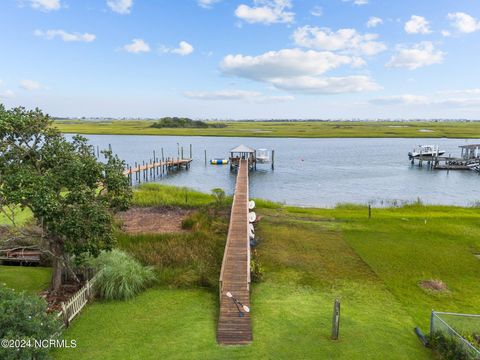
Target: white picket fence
{"points": [[72, 307]]}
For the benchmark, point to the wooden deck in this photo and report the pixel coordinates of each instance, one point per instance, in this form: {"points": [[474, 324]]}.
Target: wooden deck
{"points": [[235, 273]]}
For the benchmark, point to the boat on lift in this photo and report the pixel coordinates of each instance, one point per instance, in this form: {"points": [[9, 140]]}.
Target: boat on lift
{"points": [[262, 156], [425, 151], [474, 166]]}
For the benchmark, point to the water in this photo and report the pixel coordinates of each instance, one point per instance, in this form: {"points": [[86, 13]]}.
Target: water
{"points": [[314, 172]]}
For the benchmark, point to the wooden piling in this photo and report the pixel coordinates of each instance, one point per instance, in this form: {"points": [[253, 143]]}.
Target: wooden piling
{"points": [[336, 320]]}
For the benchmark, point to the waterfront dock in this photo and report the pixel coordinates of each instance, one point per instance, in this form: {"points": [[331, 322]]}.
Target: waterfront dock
{"points": [[234, 324], [151, 170], [470, 156]]}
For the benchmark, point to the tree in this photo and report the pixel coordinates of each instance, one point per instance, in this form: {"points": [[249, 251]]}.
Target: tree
{"points": [[71, 195]]}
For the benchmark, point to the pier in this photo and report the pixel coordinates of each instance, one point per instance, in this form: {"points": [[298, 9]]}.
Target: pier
{"points": [[234, 324], [470, 156], [151, 170]]}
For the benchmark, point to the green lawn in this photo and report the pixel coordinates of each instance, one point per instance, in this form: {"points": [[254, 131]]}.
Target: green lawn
{"points": [[25, 278], [310, 257], [301, 129]]}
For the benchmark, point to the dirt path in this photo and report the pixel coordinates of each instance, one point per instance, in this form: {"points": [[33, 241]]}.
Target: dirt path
{"points": [[153, 220]]}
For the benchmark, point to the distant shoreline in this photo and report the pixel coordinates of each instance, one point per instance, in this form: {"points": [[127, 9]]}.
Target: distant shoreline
{"points": [[284, 129]]}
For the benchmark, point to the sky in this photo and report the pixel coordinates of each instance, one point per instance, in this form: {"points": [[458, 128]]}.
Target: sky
{"points": [[245, 59]]}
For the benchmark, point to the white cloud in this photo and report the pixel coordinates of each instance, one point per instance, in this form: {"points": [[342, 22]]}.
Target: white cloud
{"points": [[120, 6], [357, 2], [453, 98], [207, 4], [464, 23], [417, 25], [46, 5], [27, 84], [137, 46], [266, 12], [298, 70], [374, 21], [65, 36], [348, 40], [327, 85], [401, 99], [417, 56], [7, 94], [251, 96], [317, 11], [446, 33], [183, 49]]}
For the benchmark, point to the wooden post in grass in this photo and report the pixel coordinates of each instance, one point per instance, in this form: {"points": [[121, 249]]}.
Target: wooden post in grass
{"points": [[336, 320], [369, 211], [64, 314]]}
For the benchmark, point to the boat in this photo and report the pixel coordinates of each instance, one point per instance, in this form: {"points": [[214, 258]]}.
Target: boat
{"points": [[262, 156], [425, 151], [219, 161]]}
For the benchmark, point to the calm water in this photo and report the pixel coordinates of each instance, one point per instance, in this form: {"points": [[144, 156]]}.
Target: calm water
{"points": [[314, 172]]}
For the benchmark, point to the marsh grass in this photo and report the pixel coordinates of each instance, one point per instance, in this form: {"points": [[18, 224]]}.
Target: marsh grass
{"points": [[186, 258], [157, 194], [301, 129]]}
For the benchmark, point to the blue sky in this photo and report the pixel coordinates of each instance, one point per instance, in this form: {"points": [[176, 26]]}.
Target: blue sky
{"points": [[242, 59]]}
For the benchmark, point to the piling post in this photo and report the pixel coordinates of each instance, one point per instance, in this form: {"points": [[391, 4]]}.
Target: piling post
{"points": [[273, 159], [190, 151], [131, 175], [178, 150], [98, 152], [205, 157], [182, 152], [110, 147], [336, 320]]}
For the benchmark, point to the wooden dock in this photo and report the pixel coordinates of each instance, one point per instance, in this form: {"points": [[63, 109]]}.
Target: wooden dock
{"points": [[153, 169], [235, 328]]}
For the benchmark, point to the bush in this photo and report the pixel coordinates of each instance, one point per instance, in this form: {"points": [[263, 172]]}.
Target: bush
{"points": [[120, 276], [24, 317], [450, 348]]}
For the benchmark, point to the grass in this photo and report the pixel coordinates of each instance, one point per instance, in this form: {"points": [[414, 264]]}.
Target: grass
{"points": [[309, 257], [155, 194], [301, 129], [21, 217], [25, 278]]}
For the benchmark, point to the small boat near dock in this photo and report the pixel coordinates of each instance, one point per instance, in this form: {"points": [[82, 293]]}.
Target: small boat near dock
{"points": [[425, 151]]}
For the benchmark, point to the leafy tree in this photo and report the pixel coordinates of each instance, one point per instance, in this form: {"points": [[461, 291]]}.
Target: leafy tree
{"points": [[71, 195], [23, 317]]}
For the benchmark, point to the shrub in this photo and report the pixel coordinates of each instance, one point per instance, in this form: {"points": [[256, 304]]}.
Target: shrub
{"points": [[450, 348], [120, 275], [24, 317]]}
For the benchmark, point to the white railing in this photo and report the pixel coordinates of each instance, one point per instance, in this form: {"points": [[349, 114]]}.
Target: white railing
{"points": [[72, 307]]}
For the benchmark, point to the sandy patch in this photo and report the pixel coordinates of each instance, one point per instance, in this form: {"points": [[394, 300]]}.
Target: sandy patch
{"points": [[153, 220], [433, 285]]}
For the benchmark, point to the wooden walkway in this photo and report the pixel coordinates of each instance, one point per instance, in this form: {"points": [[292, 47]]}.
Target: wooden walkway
{"points": [[235, 273]]}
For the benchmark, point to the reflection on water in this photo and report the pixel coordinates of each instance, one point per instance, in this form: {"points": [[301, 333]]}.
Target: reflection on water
{"points": [[314, 172]]}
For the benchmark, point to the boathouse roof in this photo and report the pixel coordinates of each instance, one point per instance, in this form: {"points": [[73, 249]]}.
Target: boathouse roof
{"points": [[470, 146], [242, 149]]}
